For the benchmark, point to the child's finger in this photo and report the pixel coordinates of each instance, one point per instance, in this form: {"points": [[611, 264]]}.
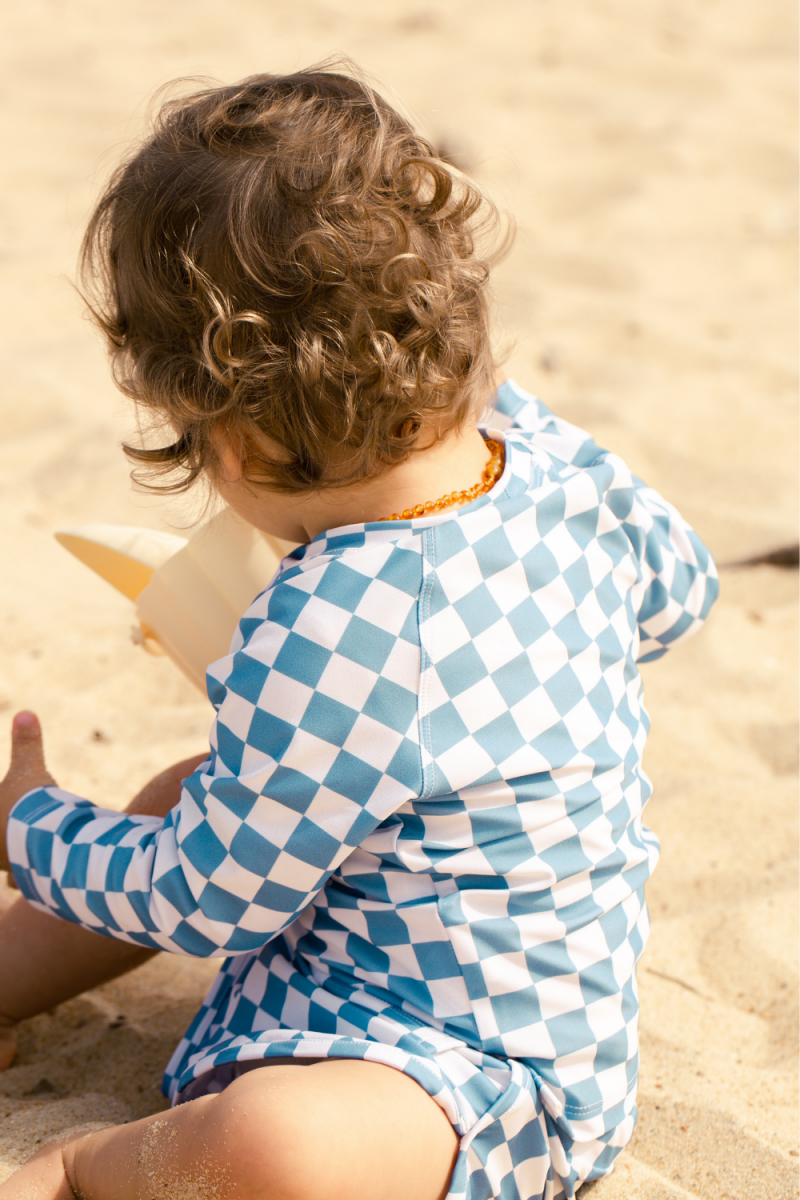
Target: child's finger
{"points": [[27, 749]]}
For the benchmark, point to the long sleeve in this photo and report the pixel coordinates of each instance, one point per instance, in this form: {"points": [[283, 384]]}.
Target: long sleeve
{"points": [[515, 408], [314, 744], [679, 582]]}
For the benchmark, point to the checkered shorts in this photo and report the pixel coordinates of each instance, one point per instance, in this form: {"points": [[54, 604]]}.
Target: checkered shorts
{"points": [[510, 1144]]}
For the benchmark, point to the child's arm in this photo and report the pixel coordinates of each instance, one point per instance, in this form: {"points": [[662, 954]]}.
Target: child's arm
{"points": [[677, 582], [46, 961], [27, 770], [515, 408], [155, 799], [296, 779]]}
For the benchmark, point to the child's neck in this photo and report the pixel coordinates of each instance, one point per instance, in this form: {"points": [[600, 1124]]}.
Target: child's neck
{"points": [[454, 464]]}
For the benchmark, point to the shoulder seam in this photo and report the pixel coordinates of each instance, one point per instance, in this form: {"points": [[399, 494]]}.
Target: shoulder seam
{"points": [[423, 716]]}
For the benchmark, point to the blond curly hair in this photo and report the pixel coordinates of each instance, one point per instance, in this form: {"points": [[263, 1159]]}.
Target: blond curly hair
{"points": [[286, 257]]}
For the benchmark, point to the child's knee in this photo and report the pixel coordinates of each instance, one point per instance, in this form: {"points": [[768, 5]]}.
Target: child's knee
{"points": [[247, 1142], [295, 1134], [264, 1137]]}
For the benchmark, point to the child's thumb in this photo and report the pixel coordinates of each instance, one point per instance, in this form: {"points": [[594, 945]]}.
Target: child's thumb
{"points": [[27, 751]]}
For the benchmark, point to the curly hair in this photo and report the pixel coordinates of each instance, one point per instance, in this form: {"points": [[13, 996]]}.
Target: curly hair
{"points": [[286, 257]]}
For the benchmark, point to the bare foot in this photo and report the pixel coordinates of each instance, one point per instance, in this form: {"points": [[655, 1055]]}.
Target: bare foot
{"points": [[8, 1042]]}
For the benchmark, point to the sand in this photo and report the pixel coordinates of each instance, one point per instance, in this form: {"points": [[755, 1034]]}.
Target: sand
{"points": [[647, 153]]}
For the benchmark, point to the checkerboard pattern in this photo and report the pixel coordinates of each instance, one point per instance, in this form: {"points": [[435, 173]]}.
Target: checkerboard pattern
{"points": [[418, 835]]}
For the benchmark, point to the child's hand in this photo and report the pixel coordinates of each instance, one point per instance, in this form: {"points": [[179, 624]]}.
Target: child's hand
{"points": [[26, 771]]}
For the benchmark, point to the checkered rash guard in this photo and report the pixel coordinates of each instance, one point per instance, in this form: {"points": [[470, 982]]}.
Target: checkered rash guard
{"points": [[417, 838]]}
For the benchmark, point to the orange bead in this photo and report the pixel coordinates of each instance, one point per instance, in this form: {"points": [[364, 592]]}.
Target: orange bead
{"points": [[491, 473]]}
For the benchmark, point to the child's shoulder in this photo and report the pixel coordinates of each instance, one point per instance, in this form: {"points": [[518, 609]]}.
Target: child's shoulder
{"points": [[517, 410], [342, 608], [564, 467], [372, 575]]}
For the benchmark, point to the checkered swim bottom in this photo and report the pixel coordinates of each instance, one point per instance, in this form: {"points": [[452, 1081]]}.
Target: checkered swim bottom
{"points": [[510, 1149]]}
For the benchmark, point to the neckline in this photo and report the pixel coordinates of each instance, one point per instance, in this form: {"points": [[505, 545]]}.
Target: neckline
{"points": [[391, 529]]}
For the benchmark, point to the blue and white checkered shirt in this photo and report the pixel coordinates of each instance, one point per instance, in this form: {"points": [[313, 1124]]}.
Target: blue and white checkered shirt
{"points": [[418, 834]]}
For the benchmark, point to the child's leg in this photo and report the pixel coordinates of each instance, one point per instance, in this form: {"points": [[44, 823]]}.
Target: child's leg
{"points": [[343, 1129], [47, 961]]}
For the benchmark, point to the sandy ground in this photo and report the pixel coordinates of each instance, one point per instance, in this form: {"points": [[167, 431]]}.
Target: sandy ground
{"points": [[646, 150]]}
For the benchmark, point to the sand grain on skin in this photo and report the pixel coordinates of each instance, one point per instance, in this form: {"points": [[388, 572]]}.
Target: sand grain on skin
{"points": [[156, 1162]]}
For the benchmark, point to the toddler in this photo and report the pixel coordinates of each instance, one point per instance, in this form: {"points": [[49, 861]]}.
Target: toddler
{"points": [[416, 837]]}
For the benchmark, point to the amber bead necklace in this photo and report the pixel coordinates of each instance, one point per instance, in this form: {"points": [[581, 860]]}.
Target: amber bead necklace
{"points": [[491, 473]]}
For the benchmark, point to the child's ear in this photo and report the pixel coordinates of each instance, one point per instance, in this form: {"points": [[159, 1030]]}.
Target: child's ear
{"points": [[230, 459]]}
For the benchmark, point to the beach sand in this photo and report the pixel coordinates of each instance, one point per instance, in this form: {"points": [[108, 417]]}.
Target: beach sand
{"points": [[647, 153]]}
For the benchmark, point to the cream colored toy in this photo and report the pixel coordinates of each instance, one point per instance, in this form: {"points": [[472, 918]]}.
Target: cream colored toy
{"points": [[189, 595]]}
